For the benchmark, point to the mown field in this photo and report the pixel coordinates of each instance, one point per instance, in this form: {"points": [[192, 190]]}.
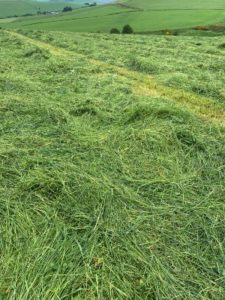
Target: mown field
{"points": [[112, 172], [142, 15]]}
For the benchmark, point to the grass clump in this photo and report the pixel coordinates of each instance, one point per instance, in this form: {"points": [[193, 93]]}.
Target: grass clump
{"points": [[157, 109], [36, 53], [222, 46]]}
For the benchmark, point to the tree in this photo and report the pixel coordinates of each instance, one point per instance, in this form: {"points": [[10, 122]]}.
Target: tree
{"points": [[67, 8], [115, 31], [127, 29]]}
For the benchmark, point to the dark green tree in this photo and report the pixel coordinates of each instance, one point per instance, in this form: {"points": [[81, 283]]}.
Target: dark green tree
{"points": [[127, 29], [67, 9]]}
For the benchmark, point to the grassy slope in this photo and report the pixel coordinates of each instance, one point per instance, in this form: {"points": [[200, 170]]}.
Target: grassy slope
{"points": [[176, 4], [20, 7], [112, 185], [142, 15]]}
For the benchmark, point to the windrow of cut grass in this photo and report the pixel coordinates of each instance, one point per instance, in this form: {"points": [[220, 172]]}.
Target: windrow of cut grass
{"points": [[143, 84], [107, 192], [194, 64]]}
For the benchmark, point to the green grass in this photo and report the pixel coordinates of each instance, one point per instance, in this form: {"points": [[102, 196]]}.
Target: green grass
{"points": [[140, 21], [143, 16], [10, 8], [112, 183], [6, 20], [196, 65], [175, 4]]}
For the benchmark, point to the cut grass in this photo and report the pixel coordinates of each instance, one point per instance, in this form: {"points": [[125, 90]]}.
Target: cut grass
{"points": [[158, 56], [107, 191], [144, 85]]}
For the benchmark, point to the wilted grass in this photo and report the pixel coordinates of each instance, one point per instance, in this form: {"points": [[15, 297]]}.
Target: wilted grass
{"points": [[106, 192]]}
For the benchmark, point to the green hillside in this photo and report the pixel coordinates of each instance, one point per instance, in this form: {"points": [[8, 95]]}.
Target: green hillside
{"points": [[143, 15], [10, 8], [175, 4], [112, 172]]}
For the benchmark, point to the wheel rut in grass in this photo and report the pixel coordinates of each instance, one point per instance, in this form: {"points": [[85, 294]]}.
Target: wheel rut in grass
{"points": [[143, 84]]}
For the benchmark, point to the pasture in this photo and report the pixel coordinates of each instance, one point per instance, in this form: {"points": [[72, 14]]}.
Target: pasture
{"points": [[143, 16], [10, 8], [175, 4]]}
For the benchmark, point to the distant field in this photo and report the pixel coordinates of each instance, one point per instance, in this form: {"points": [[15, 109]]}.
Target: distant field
{"points": [[20, 7], [176, 4], [6, 20], [143, 15]]}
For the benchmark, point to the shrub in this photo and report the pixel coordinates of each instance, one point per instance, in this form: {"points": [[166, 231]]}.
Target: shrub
{"points": [[67, 8], [202, 28], [114, 31], [218, 27], [127, 29]]}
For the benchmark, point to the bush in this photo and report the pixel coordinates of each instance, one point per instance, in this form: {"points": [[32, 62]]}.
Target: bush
{"points": [[67, 8], [115, 31], [202, 28], [127, 29]]}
